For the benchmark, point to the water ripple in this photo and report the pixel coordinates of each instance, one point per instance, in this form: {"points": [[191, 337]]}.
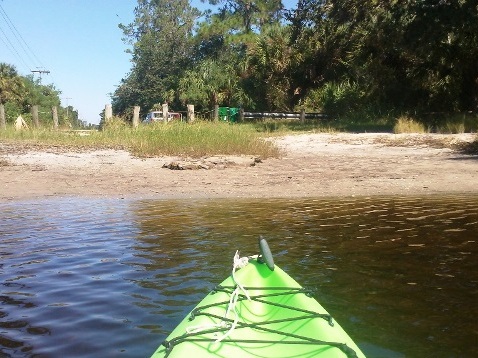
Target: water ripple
{"points": [[89, 278]]}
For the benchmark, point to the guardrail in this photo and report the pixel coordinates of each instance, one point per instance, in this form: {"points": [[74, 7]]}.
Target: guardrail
{"points": [[285, 115]]}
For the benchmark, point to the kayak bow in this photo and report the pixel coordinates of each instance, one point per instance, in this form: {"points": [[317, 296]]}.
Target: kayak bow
{"points": [[258, 311]]}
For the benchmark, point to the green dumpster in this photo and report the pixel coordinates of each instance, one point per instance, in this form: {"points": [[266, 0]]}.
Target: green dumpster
{"points": [[233, 114], [228, 114], [223, 113]]}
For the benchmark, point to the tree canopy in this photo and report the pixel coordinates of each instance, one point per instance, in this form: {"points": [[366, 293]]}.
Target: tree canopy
{"points": [[19, 93], [338, 56]]}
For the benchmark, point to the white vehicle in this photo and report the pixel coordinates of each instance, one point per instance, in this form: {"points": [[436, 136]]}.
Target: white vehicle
{"points": [[157, 116]]}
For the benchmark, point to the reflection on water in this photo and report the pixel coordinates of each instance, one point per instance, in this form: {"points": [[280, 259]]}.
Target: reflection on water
{"points": [[89, 278]]}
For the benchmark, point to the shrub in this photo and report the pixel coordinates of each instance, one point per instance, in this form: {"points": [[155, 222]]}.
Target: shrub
{"points": [[175, 138], [453, 128], [114, 123], [405, 124], [335, 98]]}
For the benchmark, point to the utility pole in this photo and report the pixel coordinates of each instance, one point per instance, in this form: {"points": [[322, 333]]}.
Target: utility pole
{"points": [[67, 107], [40, 72]]}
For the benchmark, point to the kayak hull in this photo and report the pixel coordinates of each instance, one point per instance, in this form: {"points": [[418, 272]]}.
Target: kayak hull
{"points": [[273, 317]]}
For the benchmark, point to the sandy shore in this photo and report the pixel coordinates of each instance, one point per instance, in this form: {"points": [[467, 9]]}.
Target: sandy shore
{"points": [[312, 165]]}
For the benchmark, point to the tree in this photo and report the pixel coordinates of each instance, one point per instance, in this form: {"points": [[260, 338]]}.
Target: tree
{"points": [[212, 83], [11, 85], [253, 15], [407, 55], [271, 63], [226, 41], [345, 56], [161, 37], [238, 20], [442, 38]]}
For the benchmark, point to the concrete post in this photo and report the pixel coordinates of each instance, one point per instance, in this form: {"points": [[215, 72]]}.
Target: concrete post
{"points": [[108, 112], [36, 121], [3, 122], [136, 116], [165, 112], [54, 114], [191, 113]]}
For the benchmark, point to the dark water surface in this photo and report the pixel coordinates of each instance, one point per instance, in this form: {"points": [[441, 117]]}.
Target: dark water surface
{"points": [[110, 278]]}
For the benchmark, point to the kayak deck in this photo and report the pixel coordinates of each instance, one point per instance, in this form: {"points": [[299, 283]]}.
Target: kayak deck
{"points": [[268, 315]]}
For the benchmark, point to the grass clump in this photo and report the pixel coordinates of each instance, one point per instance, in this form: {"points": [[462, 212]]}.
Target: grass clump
{"points": [[193, 140], [200, 139], [452, 128], [284, 126], [406, 124]]}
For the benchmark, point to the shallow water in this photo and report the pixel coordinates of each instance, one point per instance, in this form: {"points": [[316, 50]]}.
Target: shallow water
{"points": [[110, 278]]}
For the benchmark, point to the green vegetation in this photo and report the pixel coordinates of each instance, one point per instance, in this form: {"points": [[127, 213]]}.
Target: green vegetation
{"points": [[388, 66], [19, 93], [408, 125], [205, 138], [202, 139], [361, 62], [176, 138]]}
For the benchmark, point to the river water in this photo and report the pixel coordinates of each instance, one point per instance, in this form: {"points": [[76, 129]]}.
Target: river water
{"points": [[111, 278]]}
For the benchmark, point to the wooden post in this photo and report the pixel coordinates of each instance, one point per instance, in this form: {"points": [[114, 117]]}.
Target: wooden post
{"points": [[136, 116], [165, 112], [191, 113], [108, 112], [36, 121], [216, 112], [302, 115], [3, 122], [241, 114], [54, 114]]}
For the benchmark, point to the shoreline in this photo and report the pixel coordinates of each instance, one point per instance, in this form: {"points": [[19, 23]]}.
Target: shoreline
{"points": [[312, 166]]}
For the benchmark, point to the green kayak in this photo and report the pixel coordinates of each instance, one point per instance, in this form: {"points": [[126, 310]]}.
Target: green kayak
{"points": [[259, 311]]}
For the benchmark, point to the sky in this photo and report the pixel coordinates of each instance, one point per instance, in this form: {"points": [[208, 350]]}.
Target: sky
{"points": [[78, 41]]}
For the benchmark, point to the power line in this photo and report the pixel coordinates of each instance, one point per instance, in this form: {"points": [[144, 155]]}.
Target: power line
{"points": [[12, 49], [21, 41], [18, 36]]}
